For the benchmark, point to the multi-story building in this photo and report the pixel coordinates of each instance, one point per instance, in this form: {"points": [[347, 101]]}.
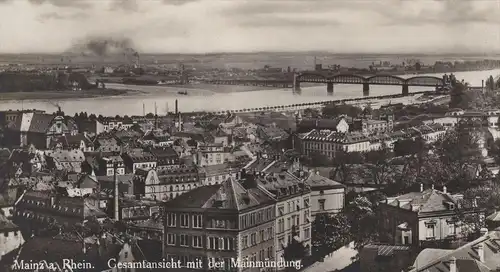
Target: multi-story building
{"points": [[139, 159], [215, 174], [37, 209], [166, 184], [166, 157], [219, 222], [72, 142], [65, 159], [210, 154], [427, 217], [293, 209], [118, 124], [37, 129], [108, 164], [327, 196]]}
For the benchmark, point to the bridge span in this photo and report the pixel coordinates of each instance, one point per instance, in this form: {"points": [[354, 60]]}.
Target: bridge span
{"points": [[331, 78]]}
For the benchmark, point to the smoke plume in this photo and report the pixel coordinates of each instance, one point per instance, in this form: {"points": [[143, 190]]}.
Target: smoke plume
{"points": [[105, 46]]}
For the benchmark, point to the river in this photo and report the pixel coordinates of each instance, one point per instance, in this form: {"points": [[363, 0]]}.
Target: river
{"points": [[201, 100]]}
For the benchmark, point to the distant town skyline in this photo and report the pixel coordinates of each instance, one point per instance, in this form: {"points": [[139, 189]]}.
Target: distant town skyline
{"points": [[213, 26]]}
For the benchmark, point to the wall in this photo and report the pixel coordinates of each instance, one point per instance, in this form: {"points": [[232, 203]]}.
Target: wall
{"points": [[334, 200]]}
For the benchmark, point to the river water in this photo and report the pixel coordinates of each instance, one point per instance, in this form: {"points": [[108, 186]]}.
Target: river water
{"points": [[200, 100]]}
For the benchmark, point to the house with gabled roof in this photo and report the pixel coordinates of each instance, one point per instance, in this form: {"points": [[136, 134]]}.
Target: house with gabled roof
{"points": [[480, 255], [428, 217]]}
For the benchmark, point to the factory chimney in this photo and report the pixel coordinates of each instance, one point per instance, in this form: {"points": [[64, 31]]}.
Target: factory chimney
{"points": [[176, 107], [116, 193]]}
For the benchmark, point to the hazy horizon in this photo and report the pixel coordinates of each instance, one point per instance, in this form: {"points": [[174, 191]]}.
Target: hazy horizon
{"points": [[260, 26]]}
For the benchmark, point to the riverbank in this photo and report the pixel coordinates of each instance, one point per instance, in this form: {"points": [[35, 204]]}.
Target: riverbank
{"points": [[48, 95]]}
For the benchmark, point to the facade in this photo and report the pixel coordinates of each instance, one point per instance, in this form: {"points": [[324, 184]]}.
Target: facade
{"points": [[139, 159], [166, 157], [327, 196], [427, 217], [107, 144], [166, 184], [107, 166], [216, 174], [219, 222], [10, 235], [117, 124], [293, 209], [210, 154], [44, 208], [37, 129]]}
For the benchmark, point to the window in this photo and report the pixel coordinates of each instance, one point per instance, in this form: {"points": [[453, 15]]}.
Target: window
{"points": [[281, 225], [197, 242], [171, 239], [430, 230], [253, 239], [262, 255], [289, 222], [281, 210], [306, 217], [213, 242], [269, 233], [307, 233], [321, 204], [270, 252], [184, 220], [451, 228], [261, 236], [184, 240], [197, 221], [244, 242], [171, 219]]}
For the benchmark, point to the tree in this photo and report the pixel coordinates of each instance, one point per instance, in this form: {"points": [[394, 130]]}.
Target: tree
{"points": [[343, 165], [329, 233], [490, 84], [460, 97], [294, 251], [334, 110]]}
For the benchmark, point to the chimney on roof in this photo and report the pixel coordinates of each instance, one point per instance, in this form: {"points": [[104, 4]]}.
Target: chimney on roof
{"points": [[474, 202], [116, 193], [453, 264], [445, 190], [483, 231], [432, 187], [421, 187], [480, 252]]}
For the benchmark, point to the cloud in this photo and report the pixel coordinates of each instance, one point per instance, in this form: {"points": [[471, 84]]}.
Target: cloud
{"points": [[206, 26]]}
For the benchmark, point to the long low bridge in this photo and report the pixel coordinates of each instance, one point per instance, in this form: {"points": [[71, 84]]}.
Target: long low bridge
{"points": [[330, 79]]}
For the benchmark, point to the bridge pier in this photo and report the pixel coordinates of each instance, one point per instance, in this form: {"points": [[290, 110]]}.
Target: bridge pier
{"points": [[366, 89], [296, 82], [329, 88], [406, 90]]}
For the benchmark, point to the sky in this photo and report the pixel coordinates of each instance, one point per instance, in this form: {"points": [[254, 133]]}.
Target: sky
{"points": [[212, 26]]}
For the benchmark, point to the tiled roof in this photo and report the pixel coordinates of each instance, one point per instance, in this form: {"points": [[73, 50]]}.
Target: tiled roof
{"points": [[316, 180], [229, 195], [467, 257], [337, 137], [6, 224], [387, 250], [427, 201], [67, 155], [40, 122], [494, 216]]}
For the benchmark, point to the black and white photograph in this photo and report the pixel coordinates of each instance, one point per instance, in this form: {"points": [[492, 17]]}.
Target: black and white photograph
{"points": [[250, 135]]}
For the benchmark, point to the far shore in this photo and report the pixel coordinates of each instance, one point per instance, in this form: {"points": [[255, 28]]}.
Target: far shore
{"points": [[46, 95]]}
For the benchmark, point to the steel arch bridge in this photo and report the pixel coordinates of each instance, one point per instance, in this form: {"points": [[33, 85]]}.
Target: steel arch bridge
{"points": [[426, 81]]}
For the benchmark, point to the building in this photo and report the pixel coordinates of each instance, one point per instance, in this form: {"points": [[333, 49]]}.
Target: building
{"points": [[151, 229], [210, 154], [72, 142], [139, 159], [65, 208], [166, 157], [38, 129], [10, 235], [339, 124], [368, 126], [110, 124], [107, 144], [220, 222], [385, 258], [329, 142], [480, 255], [70, 160], [327, 196], [108, 164], [293, 209], [427, 217], [216, 174]]}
